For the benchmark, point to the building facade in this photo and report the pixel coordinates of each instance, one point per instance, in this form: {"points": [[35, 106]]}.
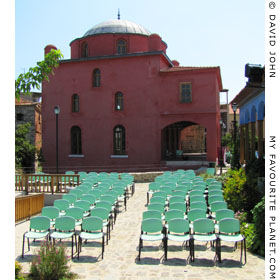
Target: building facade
{"points": [[123, 102], [251, 103]]}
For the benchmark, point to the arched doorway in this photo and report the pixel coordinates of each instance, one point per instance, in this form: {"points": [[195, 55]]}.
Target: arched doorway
{"points": [[184, 141]]}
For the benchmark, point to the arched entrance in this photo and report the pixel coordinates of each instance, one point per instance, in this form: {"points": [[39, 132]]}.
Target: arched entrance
{"points": [[184, 141]]}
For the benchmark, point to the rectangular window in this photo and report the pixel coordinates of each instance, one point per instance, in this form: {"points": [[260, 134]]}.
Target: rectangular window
{"points": [[185, 92]]}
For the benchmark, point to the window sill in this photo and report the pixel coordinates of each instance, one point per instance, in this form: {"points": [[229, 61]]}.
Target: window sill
{"points": [[119, 156], [76, 156]]}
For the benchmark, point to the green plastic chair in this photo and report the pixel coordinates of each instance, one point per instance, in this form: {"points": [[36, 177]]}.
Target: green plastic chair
{"points": [[170, 184], [211, 171], [209, 181], [70, 197], [39, 228], [222, 214], [85, 205], [92, 229], [196, 214], [97, 193], [65, 229], [184, 188], [198, 205], [200, 188], [151, 214], [178, 230], [215, 192], [214, 198], [84, 190], [204, 231], [151, 230], [196, 192], [166, 189], [179, 193], [121, 197], [103, 214], [51, 212], [107, 205], [173, 214], [216, 183], [217, 205], [158, 199], [214, 188], [76, 192], [161, 194], [157, 206], [178, 206], [90, 198], [76, 213], [197, 198], [62, 205], [229, 231], [177, 198]]}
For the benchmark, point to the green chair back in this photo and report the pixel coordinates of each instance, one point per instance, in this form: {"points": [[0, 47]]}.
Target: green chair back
{"points": [[217, 205], [198, 205], [214, 198], [91, 224], [151, 225], [158, 199], [151, 214], [203, 226], [160, 193], [61, 204], [173, 214], [104, 204], [97, 193], [109, 198], [40, 223], [178, 225], [211, 171], [85, 205], [195, 214], [70, 197], [209, 181], [89, 197], [177, 198], [196, 192], [197, 198], [156, 206], [100, 212], [77, 192], [179, 193], [75, 212], [224, 213], [215, 192], [65, 223], [229, 226], [178, 206], [51, 212]]}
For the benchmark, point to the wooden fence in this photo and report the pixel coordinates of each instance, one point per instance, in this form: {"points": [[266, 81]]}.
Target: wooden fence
{"points": [[28, 205], [45, 183]]}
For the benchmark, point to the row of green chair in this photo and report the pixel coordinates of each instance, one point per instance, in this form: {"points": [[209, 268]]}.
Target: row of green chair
{"points": [[203, 231]]}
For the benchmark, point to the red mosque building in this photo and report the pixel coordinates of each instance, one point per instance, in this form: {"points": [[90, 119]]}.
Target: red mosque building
{"points": [[123, 102]]}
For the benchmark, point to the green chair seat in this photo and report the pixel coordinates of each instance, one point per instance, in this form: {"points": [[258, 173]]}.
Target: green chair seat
{"points": [[178, 237], [205, 238], [231, 238], [36, 235], [91, 235], [149, 237]]}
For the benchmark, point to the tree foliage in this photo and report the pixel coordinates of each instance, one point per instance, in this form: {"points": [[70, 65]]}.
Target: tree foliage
{"points": [[36, 75], [24, 150]]}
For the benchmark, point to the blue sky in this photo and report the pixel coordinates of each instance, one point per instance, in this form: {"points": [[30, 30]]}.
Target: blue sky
{"points": [[221, 33]]}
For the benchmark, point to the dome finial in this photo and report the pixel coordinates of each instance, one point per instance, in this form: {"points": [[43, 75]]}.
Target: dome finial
{"points": [[119, 16]]}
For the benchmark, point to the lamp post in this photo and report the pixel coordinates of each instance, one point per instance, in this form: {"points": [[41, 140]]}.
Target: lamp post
{"points": [[56, 111], [221, 151], [234, 108]]}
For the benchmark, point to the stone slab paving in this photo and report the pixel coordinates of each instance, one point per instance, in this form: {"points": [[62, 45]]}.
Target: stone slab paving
{"points": [[120, 258]]}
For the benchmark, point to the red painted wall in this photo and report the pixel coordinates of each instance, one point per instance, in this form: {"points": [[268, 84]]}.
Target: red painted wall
{"points": [[151, 102]]}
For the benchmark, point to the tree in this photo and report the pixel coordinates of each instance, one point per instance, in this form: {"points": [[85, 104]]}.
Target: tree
{"points": [[24, 150], [36, 75]]}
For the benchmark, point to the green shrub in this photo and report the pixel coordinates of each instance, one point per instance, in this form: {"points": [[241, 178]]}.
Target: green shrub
{"points": [[17, 271], [233, 189], [51, 263]]}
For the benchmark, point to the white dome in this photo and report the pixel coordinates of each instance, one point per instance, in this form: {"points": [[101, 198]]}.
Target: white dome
{"points": [[118, 26]]}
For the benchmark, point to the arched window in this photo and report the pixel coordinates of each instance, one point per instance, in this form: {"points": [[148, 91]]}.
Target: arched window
{"points": [[76, 140], [119, 140], [118, 101], [85, 50], [96, 77], [121, 46], [75, 103]]}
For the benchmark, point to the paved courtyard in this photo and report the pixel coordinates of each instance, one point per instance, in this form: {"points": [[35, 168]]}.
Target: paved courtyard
{"points": [[120, 258]]}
